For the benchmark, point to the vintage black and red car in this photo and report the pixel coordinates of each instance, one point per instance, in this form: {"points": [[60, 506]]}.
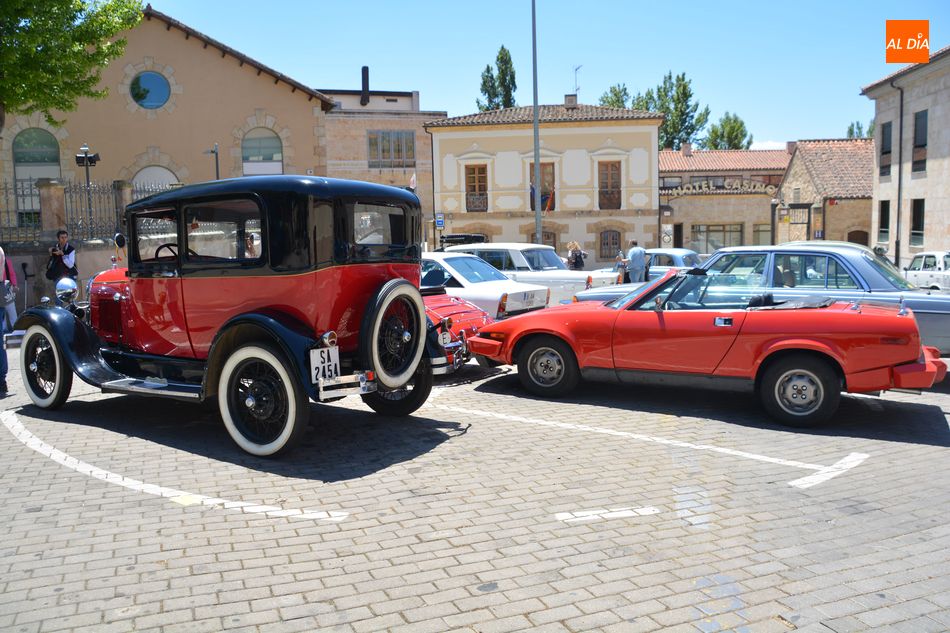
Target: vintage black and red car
{"points": [[260, 293]]}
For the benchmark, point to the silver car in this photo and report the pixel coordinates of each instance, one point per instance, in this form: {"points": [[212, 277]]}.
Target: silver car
{"points": [[841, 270]]}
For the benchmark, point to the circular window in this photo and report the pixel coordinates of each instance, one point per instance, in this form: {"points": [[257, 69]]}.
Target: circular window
{"points": [[150, 90]]}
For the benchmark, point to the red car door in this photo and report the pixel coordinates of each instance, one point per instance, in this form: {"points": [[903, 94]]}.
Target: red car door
{"points": [[690, 332], [154, 312]]}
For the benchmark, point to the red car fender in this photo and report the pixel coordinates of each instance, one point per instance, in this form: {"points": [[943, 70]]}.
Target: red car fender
{"points": [[797, 344], [512, 345]]}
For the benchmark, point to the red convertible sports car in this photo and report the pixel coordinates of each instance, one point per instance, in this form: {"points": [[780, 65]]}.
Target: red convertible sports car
{"points": [[460, 321], [701, 329]]}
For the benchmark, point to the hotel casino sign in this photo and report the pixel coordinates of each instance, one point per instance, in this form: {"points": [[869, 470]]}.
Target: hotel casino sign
{"points": [[732, 185]]}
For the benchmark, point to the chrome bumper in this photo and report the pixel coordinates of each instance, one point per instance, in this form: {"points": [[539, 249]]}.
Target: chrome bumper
{"points": [[352, 385], [440, 364]]}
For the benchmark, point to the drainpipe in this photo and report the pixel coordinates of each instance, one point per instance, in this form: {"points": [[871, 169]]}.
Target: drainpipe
{"points": [[900, 174], [435, 239]]}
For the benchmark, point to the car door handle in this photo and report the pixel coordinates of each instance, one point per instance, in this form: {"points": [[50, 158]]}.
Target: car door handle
{"points": [[722, 321], [168, 273]]}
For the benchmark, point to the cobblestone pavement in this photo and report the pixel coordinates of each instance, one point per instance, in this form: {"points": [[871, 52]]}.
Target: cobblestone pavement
{"points": [[618, 509]]}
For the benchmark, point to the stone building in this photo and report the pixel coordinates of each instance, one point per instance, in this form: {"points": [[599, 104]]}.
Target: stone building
{"points": [[715, 198], [911, 168], [826, 192], [378, 136], [598, 175]]}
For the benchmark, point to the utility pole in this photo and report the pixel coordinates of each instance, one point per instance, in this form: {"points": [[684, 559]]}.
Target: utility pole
{"points": [[537, 134]]}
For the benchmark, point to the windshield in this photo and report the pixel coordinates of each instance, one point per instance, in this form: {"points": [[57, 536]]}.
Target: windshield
{"points": [[543, 259], [475, 270], [888, 271]]}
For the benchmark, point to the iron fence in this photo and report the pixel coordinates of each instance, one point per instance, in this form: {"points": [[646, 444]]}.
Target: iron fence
{"points": [[19, 211], [143, 189], [91, 210]]}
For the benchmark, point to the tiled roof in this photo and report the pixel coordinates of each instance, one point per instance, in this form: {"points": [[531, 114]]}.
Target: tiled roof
{"points": [[673, 160], [943, 52], [149, 13], [547, 114], [840, 168]]}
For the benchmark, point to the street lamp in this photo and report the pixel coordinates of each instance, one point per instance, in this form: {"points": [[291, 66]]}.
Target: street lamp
{"points": [[214, 150], [87, 160]]}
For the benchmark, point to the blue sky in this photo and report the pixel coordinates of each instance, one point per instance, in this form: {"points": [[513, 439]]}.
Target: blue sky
{"points": [[791, 70]]}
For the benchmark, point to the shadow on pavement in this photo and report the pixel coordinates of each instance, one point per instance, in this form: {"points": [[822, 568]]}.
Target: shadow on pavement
{"points": [[868, 418], [341, 443]]}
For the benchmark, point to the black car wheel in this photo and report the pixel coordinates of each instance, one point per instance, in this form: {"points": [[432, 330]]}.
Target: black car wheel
{"points": [[547, 367], [46, 376], [392, 334], [406, 399], [264, 409], [800, 390]]}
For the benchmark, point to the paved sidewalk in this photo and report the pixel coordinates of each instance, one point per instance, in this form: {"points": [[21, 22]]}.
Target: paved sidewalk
{"points": [[618, 509]]}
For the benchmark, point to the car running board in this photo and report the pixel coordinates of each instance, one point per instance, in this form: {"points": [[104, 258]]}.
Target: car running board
{"points": [[153, 387]]}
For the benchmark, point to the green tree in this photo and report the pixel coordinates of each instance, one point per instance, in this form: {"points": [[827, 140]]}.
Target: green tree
{"points": [[506, 78], [615, 97], [498, 88], [684, 120], [489, 91], [855, 130], [52, 52], [729, 133]]}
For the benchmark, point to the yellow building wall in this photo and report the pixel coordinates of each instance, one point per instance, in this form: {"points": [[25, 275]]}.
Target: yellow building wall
{"points": [[214, 98]]}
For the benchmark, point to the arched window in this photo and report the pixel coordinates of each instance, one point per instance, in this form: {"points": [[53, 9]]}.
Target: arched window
{"points": [[155, 175], [262, 152], [609, 244], [35, 155]]}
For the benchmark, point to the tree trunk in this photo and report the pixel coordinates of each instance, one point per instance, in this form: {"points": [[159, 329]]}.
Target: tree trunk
{"points": [[3, 116]]}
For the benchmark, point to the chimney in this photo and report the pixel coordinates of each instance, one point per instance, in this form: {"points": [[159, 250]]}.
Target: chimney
{"points": [[364, 97], [790, 147], [570, 102], [687, 149]]}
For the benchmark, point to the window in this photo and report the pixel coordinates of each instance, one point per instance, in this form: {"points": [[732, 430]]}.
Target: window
{"points": [[671, 182], [499, 259], [435, 275], [659, 259], [707, 238], [761, 234], [156, 238], [884, 221], [715, 182], [920, 142], [743, 269], [154, 175], [35, 155], [810, 271], [917, 263], [262, 152], [767, 179], [917, 222], [474, 270], [547, 187], [549, 238], [886, 149], [608, 177], [930, 262], [609, 244], [390, 149], [543, 259], [946, 262], [223, 230], [150, 90], [476, 187]]}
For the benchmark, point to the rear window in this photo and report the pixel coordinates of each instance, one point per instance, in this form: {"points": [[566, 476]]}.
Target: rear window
{"points": [[474, 270], [368, 232]]}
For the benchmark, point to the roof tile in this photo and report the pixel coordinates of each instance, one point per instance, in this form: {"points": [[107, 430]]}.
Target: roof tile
{"points": [[547, 114], [840, 168], [672, 160]]}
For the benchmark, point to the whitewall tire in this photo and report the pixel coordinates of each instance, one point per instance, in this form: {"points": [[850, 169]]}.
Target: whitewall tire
{"points": [[46, 376]]}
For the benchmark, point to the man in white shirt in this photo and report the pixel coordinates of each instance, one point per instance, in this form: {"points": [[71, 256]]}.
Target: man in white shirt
{"points": [[636, 262], [66, 266]]}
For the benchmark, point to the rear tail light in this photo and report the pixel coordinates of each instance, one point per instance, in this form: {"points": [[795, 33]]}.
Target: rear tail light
{"points": [[370, 375], [502, 306], [590, 282], [619, 278]]}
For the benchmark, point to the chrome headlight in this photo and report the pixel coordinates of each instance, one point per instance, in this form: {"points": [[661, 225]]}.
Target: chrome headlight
{"points": [[66, 290]]}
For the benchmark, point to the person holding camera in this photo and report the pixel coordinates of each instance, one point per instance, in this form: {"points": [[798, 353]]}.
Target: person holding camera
{"points": [[62, 258]]}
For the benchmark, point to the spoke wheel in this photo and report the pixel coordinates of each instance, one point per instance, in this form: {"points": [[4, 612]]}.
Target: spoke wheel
{"points": [[263, 408], [392, 333], [406, 399], [547, 367], [46, 376], [800, 390]]}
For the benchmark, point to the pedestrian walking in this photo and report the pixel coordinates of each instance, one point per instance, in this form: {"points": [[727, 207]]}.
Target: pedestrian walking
{"points": [[62, 258], [635, 262], [3, 330], [575, 256]]}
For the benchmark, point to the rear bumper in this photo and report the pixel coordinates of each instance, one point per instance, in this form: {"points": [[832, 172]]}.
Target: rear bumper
{"points": [[923, 374], [487, 347]]}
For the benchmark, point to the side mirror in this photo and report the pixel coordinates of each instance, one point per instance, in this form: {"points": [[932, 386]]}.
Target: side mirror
{"points": [[906, 268], [658, 303]]}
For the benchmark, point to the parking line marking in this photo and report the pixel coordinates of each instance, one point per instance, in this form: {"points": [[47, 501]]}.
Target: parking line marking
{"points": [[602, 513], [180, 497], [824, 473]]}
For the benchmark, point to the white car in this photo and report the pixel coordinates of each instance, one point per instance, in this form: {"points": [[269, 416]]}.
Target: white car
{"points": [[537, 264], [475, 280], [930, 269]]}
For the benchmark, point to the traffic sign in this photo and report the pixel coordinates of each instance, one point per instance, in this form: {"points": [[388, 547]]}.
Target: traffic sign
{"points": [[440, 220]]}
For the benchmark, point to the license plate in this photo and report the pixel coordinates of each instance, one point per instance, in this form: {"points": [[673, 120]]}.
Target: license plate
{"points": [[445, 338], [325, 363]]}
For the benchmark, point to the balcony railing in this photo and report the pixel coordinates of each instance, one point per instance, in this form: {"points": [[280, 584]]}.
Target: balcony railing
{"points": [[476, 202], [548, 201], [609, 198]]}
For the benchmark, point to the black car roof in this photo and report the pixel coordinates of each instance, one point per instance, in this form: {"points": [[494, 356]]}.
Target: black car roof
{"points": [[305, 185]]}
